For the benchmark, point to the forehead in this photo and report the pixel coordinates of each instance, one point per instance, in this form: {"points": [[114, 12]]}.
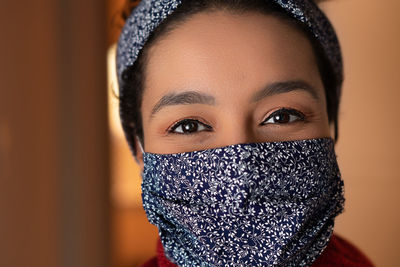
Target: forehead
{"points": [[222, 54]]}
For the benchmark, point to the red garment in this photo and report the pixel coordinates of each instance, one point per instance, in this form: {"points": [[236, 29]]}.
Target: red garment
{"points": [[339, 252]]}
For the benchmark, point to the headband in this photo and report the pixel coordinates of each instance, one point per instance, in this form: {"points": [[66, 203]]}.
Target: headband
{"points": [[150, 13]]}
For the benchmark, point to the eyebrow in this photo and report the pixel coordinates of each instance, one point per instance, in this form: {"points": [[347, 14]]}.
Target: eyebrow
{"points": [[284, 87], [194, 97], [184, 98]]}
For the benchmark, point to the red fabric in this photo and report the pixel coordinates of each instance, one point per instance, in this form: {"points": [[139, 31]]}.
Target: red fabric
{"points": [[339, 252]]}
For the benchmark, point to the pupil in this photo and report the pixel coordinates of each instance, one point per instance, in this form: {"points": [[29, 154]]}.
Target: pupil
{"points": [[190, 126], [282, 118]]}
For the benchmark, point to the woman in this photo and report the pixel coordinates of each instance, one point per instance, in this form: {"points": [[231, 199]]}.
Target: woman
{"points": [[230, 108]]}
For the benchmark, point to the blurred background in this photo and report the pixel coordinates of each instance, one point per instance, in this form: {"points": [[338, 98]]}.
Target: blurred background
{"points": [[69, 187]]}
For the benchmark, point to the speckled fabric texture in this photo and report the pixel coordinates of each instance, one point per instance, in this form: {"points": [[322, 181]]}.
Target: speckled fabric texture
{"points": [[150, 13], [258, 204]]}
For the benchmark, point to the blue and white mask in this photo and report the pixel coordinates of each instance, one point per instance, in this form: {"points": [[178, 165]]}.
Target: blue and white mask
{"points": [[260, 204]]}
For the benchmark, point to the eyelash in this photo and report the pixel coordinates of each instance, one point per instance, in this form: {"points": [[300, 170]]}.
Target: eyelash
{"points": [[182, 122], [208, 128], [291, 112]]}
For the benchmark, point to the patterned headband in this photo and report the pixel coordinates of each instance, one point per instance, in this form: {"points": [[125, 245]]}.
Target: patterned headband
{"points": [[150, 13]]}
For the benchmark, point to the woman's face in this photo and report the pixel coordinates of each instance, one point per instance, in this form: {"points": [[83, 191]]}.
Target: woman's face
{"points": [[220, 79]]}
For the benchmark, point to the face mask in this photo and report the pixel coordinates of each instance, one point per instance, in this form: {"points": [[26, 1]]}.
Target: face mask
{"points": [[257, 204]]}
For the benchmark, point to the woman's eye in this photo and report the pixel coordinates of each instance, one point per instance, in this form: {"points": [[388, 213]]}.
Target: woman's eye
{"points": [[189, 126], [283, 116]]}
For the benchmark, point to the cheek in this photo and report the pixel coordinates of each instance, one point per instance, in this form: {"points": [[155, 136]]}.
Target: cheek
{"points": [[320, 123]]}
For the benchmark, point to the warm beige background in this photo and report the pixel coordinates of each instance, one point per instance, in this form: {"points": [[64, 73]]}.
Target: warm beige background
{"points": [[369, 145], [367, 150], [54, 164]]}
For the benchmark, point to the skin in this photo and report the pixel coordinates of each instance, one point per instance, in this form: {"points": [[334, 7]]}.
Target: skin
{"points": [[237, 70]]}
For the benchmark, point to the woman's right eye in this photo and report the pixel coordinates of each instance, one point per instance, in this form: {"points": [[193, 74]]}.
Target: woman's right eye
{"points": [[189, 126]]}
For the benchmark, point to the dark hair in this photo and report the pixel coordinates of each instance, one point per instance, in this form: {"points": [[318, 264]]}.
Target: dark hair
{"points": [[133, 76]]}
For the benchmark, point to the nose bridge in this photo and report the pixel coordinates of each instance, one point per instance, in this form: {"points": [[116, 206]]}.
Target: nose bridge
{"points": [[236, 128]]}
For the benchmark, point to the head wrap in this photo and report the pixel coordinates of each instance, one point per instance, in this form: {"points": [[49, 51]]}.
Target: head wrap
{"points": [[150, 13]]}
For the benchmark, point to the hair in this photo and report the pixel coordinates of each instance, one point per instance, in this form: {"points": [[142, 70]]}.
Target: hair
{"points": [[133, 77]]}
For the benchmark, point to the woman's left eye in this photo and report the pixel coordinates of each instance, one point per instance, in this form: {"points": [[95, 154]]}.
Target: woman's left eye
{"points": [[283, 116]]}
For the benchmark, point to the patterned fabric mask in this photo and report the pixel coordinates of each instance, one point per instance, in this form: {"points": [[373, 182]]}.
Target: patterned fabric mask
{"points": [[260, 204]]}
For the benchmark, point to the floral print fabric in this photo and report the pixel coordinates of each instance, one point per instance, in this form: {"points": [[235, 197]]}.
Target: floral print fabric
{"points": [[259, 204], [150, 13]]}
